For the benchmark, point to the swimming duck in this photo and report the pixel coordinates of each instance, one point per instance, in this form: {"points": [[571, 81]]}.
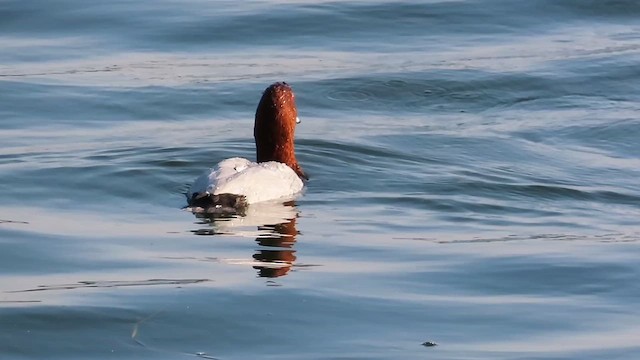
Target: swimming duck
{"points": [[237, 182]]}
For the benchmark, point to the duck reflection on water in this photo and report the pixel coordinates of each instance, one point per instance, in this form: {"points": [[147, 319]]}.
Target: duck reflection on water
{"points": [[271, 224]]}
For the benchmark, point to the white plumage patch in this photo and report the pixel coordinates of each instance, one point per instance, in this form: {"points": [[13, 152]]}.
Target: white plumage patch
{"points": [[256, 181]]}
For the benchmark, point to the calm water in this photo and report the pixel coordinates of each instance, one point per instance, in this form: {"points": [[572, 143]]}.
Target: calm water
{"points": [[474, 180]]}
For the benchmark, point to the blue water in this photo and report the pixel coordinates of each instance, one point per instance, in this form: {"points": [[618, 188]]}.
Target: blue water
{"points": [[474, 182]]}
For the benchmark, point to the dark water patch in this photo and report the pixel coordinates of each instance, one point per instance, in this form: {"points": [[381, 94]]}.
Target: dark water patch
{"points": [[65, 333], [440, 204], [29, 252], [94, 105], [107, 24], [468, 151], [396, 168], [564, 12], [513, 275], [460, 90], [534, 191], [565, 83], [496, 175], [152, 27], [268, 333], [290, 25], [615, 10], [607, 76], [92, 186], [336, 167], [436, 91], [557, 162], [164, 157], [354, 153]]}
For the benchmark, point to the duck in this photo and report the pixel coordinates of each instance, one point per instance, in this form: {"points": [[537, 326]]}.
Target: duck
{"points": [[235, 183]]}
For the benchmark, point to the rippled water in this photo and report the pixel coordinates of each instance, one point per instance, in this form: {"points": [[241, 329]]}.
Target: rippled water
{"points": [[474, 180]]}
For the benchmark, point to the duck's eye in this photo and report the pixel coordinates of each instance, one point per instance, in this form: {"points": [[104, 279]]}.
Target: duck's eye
{"points": [[297, 120]]}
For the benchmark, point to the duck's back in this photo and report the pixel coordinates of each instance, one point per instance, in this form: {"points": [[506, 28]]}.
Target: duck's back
{"points": [[256, 181]]}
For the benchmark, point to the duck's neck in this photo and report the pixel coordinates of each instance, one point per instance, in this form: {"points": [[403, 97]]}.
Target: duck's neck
{"points": [[281, 151]]}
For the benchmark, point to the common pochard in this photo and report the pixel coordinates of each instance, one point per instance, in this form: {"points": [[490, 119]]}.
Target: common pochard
{"points": [[237, 182]]}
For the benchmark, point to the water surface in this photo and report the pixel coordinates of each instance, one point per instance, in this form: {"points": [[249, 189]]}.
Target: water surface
{"points": [[474, 180]]}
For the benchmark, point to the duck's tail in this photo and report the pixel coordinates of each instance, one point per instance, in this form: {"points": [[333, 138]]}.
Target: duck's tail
{"points": [[219, 204]]}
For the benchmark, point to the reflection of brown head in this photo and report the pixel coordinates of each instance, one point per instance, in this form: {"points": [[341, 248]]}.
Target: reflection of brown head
{"points": [[284, 236], [276, 118]]}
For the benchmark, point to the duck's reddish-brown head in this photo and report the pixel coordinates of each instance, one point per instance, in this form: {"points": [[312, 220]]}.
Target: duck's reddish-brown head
{"points": [[276, 119]]}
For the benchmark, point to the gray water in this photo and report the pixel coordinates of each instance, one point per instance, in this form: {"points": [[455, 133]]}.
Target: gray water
{"points": [[474, 182]]}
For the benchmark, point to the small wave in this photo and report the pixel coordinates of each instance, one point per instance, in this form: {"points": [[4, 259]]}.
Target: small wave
{"points": [[111, 284]]}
